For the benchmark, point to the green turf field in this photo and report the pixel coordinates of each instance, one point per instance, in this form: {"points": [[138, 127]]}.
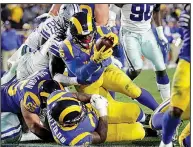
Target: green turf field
{"points": [[146, 80]]}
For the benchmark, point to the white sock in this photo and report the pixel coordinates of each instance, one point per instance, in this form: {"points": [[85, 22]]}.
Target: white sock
{"points": [[143, 118], [165, 145], [164, 90]]}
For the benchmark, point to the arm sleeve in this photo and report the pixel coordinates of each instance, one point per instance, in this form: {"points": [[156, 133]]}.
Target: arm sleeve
{"points": [[82, 71]]}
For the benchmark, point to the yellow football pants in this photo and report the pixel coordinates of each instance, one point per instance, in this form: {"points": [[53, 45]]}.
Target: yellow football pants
{"points": [[113, 79], [180, 97], [125, 132], [120, 112], [184, 134]]}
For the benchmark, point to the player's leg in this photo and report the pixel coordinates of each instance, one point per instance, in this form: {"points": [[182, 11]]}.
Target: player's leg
{"points": [[132, 50], [184, 138], [157, 117], [11, 131], [116, 80], [152, 51], [125, 132], [118, 112], [10, 74], [179, 101], [31, 63], [92, 88]]}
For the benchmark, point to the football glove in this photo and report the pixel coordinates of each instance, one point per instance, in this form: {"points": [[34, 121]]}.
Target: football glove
{"points": [[99, 56], [161, 35], [100, 103]]}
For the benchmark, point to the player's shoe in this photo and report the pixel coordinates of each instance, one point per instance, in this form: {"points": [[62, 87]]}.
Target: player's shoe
{"points": [[165, 145], [148, 131]]}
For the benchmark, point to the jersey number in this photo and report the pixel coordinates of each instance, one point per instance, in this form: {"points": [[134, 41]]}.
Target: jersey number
{"points": [[52, 25], [13, 88], [141, 12]]}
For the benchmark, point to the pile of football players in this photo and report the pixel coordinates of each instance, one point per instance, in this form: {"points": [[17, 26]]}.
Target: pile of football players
{"points": [[79, 45]]}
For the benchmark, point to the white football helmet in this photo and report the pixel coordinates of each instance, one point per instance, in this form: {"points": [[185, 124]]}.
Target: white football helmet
{"points": [[65, 13]]}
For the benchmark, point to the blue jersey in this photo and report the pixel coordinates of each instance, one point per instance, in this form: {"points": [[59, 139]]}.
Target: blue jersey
{"points": [[79, 134], [88, 8], [185, 50], [78, 60], [26, 90]]}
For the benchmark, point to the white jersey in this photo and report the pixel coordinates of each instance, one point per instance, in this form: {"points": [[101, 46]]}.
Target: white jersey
{"points": [[136, 17], [34, 39]]}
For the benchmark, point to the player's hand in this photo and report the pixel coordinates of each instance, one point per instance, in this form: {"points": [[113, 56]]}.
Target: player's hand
{"points": [[100, 103], [161, 35], [43, 17], [45, 48], [163, 40], [116, 62], [99, 56]]}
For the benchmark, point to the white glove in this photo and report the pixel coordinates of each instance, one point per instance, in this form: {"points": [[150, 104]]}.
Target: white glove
{"points": [[100, 103], [161, 35], [68, 81], [43, 17], [45, 47], [116, 62]]}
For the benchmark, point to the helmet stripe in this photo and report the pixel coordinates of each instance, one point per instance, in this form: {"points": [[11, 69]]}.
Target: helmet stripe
{"points": [[77, 25], [69, 110], [45, 94], [89, 22], [54, 98]]}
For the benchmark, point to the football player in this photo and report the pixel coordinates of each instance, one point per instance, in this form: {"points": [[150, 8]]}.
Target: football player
{"points": [[93, 67], [98, 11], [78, 119], [52, 30], [27, 98], [137, 38], [180, 98], [156, 121]]}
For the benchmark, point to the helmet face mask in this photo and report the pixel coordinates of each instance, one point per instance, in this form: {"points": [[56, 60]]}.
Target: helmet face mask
{"points": [[85, 41], [77, 119]]}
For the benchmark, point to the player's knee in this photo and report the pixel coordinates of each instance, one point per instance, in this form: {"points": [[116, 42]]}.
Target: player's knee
{"points": [[161, 73], [175, 112], [133, 74]]}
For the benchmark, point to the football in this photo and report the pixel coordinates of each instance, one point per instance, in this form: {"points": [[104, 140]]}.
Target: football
{"points": [[108, 42]]}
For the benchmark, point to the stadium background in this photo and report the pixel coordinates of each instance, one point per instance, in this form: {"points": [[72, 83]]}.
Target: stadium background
{"points": [[21, 17]]}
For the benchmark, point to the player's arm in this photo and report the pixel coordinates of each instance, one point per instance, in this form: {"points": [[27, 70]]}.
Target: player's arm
{"points": [[101, 13], [34, 124], [55, 9], [157, 15], [100, 134], [158, 22]]}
